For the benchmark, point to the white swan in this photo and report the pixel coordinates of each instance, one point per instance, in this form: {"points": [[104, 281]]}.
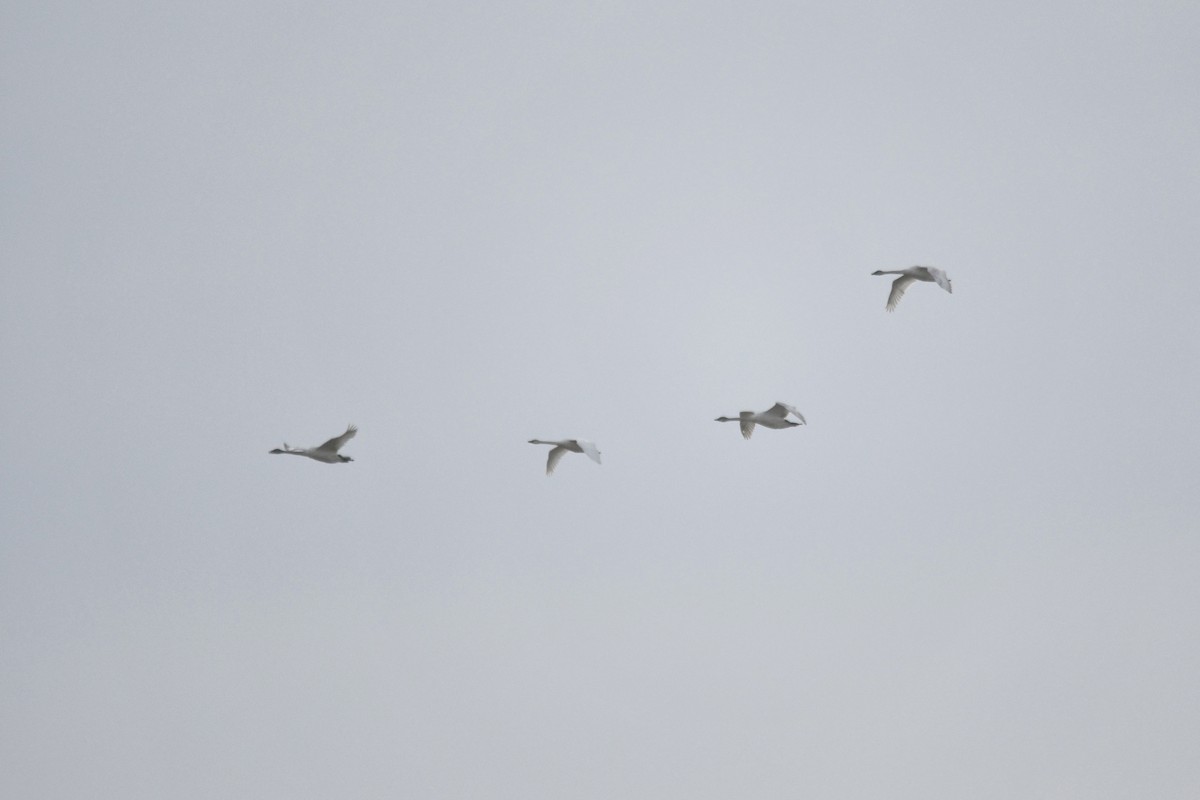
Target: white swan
{"points": [[774, 417], [328, 452], [560, 449], [907, 276]]}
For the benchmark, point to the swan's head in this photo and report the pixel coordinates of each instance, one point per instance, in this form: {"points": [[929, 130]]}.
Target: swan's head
{"points": [[345, 459], [726, 419], [877, 272]]}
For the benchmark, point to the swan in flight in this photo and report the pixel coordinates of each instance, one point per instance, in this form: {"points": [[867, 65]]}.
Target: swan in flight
{"points": [[327, 452], [907, 276], [560, 449], [774, 417]]}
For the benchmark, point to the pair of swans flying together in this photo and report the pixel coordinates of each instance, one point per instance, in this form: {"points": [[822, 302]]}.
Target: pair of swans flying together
{"points": [[909, 276], [777, 417], [327, 453]]}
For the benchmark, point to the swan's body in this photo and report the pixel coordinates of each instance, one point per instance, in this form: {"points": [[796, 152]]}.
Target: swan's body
{"points": [[774, 417], [561, 447], [326, 453], [907, 276]]}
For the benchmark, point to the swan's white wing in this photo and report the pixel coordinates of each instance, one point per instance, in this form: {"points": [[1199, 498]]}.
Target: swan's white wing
{"points": [[556, 454], [747, 427], [777, 410], [589, 449], [335, 444], [898, 287], [781, 410], [940, 276]]}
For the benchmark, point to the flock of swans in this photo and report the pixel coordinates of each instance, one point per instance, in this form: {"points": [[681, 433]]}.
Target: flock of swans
{"points": [[777, 417]]}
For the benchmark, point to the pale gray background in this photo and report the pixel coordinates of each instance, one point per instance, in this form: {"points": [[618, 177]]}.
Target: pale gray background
{"points": [[460, 226]]}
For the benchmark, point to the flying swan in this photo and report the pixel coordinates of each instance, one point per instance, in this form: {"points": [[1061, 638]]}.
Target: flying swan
{"points": [[328, 452], [560, 449], [907, 276], [774, 417]]}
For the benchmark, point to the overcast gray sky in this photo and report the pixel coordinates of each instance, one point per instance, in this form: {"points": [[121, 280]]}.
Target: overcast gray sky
{"points": [[461, 226]]}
